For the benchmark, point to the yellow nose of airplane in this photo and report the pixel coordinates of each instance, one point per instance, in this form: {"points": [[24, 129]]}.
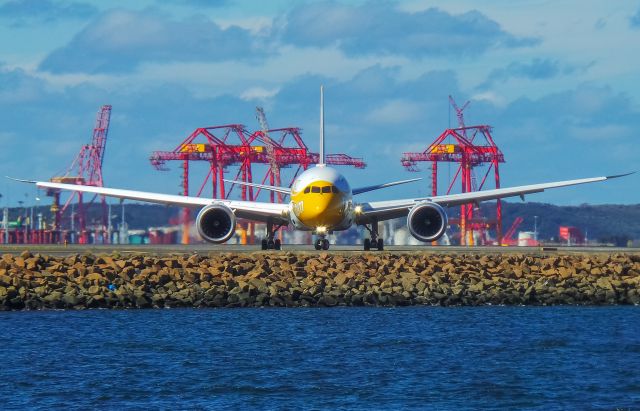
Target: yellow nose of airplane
{"points": [[318, 205], [321, 206]]}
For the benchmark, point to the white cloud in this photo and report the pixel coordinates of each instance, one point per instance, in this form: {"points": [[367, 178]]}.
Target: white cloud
{"points": [[258, 93], [395, 112], [118, 41], [491, 97]]}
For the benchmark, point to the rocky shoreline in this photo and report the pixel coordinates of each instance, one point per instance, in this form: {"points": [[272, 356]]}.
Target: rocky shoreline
{"points": [[80, 281]]}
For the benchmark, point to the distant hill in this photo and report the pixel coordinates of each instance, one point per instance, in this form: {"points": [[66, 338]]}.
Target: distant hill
{"points": [[608, 223]]}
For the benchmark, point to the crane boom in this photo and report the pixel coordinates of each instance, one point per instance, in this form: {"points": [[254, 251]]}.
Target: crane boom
{"points": [[271, 156]]}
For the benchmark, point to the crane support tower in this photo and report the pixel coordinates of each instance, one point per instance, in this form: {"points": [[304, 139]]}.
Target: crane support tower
{"points": [[86, 169], [471, 147], [232, 145]]}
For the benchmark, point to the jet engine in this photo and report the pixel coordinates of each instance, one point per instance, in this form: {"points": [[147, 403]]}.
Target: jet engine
{"points": [[216, 223], [427, 221]]}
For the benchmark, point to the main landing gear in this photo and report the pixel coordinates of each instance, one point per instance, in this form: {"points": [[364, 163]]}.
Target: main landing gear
{"points": [[374, 242], [271, 243]]}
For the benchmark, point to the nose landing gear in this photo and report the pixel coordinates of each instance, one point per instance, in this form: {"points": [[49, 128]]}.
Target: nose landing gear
{"points": [[321, 244]]}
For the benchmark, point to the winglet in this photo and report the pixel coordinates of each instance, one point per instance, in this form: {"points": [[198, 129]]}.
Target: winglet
{"points": [[21, 180], [621, 175]]}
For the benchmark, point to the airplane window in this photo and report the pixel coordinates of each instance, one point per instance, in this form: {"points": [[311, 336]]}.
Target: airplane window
{"points": [[315, 189], [326, 189], [334, 190], [307, 189]]}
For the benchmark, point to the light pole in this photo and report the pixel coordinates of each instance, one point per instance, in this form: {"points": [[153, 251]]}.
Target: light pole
{"points": [[37, 202], [22, 222], [21, 211], [123, 235], [73, 224], [5, 223], [109, 226]]}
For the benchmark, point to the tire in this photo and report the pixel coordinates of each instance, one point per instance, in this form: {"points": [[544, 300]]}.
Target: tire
{"points": [[270, 244], [380, 244], [367, 244], [277, 245], [325, 244], [264, 244], [318, 245]]}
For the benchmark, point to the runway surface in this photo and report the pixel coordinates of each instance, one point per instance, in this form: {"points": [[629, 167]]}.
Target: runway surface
{"points": [[296, 248]]}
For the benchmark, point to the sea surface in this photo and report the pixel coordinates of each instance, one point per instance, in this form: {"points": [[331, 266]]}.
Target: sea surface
{"points": [[521, 358]]}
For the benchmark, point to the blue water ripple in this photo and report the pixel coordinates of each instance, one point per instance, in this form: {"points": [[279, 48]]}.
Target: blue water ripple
{"points": [[535, 358]]}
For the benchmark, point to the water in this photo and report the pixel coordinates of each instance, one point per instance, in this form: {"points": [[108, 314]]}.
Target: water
{"points": [[355, 358]]}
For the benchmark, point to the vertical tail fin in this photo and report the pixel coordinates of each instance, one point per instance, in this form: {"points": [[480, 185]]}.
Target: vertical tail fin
{"points": [[321, 160]]}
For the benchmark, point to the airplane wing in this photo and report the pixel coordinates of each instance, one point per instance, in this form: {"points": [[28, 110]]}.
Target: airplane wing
{"points": [[360, 190], [385, 210], [282, 190], [253, 210]]}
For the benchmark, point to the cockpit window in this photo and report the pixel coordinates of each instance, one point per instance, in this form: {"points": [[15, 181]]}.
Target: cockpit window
{"points": [[326, 189], [334, 190], [307, 189], [315, 189]]}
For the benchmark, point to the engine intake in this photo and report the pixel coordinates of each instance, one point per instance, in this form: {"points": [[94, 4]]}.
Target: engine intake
{"points": [[427, 221], [216, 223]]}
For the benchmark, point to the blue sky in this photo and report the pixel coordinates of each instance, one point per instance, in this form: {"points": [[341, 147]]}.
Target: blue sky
{"points": [[558, 81]]}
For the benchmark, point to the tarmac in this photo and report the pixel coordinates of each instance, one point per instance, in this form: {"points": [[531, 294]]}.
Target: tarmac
{"points": [[173, 249]]}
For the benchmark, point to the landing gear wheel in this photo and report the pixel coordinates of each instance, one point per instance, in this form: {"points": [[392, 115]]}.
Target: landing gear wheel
{"points": [[380, 244], [318, 244], [325, 244], [367, 244], [269, 243]]}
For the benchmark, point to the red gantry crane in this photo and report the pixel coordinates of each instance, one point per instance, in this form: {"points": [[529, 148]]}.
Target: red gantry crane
{"points": [[470, 147], [85, 169], [232, 145]]}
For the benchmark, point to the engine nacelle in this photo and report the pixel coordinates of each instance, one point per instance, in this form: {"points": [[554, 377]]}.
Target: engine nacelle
{"points": [[216, 223], [427, 221]]}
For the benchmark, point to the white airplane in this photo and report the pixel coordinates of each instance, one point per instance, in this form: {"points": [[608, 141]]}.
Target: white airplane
{"points": [[321, 201]]}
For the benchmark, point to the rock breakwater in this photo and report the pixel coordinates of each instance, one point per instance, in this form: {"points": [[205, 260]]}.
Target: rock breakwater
{"points": [[35, 281]]}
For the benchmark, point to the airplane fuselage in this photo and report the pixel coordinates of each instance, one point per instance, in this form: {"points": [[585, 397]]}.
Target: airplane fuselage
{"points": [[321, 201]]}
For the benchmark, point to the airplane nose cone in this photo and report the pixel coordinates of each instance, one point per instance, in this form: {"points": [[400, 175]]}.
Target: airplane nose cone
{"points": [[323, 209], [320, 205]]}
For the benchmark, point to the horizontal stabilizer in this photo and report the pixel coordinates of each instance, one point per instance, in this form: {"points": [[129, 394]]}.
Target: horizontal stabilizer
{"points": [[282, 190], [360, 190]]}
